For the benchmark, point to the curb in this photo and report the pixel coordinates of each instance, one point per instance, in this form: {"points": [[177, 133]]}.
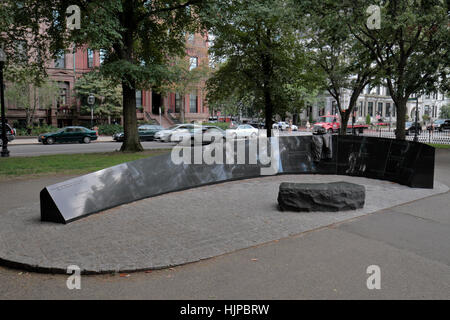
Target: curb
{"points": [[38, 143]]}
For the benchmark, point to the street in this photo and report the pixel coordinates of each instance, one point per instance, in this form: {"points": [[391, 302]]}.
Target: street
{"points": [[26, 150]]}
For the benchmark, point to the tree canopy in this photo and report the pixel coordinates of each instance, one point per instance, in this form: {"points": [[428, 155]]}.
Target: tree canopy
{"points": [[108, 95], [411, 47], [256, 42]]}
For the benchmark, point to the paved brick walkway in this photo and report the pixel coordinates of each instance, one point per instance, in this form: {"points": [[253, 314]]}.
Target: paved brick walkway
{"points": [[178, 228]]}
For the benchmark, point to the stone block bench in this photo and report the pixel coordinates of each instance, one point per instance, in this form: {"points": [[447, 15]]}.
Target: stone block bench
{"points": [[336, 196]]}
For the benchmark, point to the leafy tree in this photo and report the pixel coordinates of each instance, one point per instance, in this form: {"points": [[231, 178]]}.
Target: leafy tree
{"points": [[108, 95], [346, 64], [138, 39], [29, 92], [257, 41], [445, 112], [186, 79], [411, 48]]}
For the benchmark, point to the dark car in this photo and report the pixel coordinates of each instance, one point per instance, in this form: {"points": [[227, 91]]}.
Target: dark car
{"points": [[410, 128], [69, 134], [146, 133], [10, 133], [439, 125]]}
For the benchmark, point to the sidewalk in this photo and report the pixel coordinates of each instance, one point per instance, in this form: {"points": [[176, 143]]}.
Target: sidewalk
{"points": [[34, 140], [410, 244]]}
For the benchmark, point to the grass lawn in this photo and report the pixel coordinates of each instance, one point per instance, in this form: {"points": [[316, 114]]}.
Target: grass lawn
{"points": [[67, 163], [440, 146]]}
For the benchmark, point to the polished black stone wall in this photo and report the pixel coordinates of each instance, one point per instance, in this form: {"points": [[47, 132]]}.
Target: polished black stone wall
{"points": [[404, 162]]}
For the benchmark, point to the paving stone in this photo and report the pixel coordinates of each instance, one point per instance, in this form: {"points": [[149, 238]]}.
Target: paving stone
{"points": [[180, 227]]}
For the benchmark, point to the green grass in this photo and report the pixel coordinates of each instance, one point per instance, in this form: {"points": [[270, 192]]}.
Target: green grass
{"points": [[440, 146], [67, 163]]}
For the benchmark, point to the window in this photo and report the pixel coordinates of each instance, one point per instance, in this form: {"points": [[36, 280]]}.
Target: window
{"points": [[378, 90], [321, 111], [102, 55], [177, 102], [63, 94], [60, 61], [22, 50], [193, 103], [380, 109], [388, 109], [334, 108], [370, 109], [361, 107], [393, 110], [90, 58], [193, 63], [138, 99], [427, 110]]}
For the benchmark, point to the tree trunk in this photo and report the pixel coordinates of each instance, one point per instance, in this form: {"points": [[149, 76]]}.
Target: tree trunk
{"points": [[400, 104], [131, 140], [269, 111], [345, 116]]}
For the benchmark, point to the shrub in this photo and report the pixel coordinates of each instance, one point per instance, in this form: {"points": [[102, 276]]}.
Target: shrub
{"points": [[35, 131], [109, 129], [221, 125], [368, 119]]}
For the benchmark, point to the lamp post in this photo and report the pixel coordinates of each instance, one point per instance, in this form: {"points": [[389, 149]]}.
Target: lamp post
{"points": [[91, 101], [5, 151]]}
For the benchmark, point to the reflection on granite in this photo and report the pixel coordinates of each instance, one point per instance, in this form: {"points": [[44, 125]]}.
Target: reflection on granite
{"points": [[404, 162]]}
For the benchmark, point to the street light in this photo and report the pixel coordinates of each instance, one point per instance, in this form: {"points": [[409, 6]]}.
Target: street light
{"points": [[5, 151], [91, 101]]}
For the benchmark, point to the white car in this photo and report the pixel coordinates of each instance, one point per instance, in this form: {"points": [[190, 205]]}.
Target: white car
{"points": [[284, 126], [244, 131], [174, 133]]}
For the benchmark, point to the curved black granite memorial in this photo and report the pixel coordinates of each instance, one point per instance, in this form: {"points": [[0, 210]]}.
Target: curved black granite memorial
{"points": [[405, 162]]}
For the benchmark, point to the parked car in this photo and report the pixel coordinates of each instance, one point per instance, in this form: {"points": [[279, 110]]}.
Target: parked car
{"points": [[200, 134], [244, 131], [282, 125], [176, 131], [439, 125], [410, 128], [146, 133], [10, 133], [69, 134], [258, 125]]}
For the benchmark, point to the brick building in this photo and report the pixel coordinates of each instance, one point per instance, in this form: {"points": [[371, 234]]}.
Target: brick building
{"points": [[66, 109]]}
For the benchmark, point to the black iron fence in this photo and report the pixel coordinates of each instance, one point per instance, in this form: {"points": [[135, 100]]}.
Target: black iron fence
{"points": [[425, 136]]}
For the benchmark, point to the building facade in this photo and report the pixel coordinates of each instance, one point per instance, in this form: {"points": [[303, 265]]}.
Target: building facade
{"points": [[377, 103], [69, 66]]}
